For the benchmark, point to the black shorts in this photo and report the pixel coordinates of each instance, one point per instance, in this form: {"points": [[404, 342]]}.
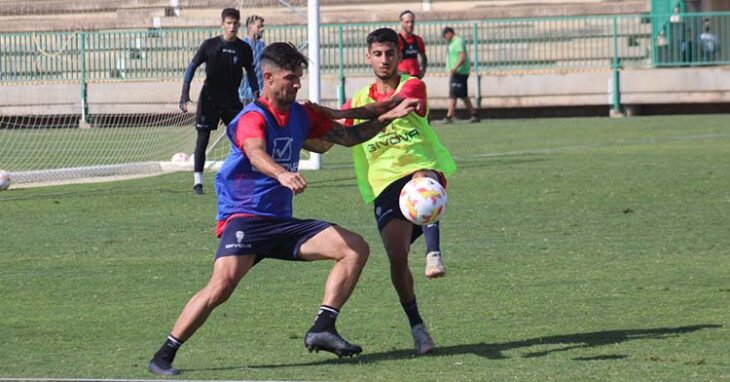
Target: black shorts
{"points": [[267, 237], [212, 110], [386, 207], [458, 85]]}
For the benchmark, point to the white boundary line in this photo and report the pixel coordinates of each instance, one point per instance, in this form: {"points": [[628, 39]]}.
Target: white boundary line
{"points": [[552, 150], [675, 138], [115, 380]]}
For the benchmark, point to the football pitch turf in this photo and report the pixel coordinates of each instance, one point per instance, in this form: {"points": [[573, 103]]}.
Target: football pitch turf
{"points": [[582, 249]]}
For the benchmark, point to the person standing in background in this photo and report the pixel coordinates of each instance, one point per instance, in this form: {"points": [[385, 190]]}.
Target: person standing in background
{"points": [[254, 35], [411, 46], [225, 57], [708, 43], [458, 65]]}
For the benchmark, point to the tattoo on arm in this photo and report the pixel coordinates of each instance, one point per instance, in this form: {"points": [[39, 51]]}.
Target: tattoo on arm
{"points": [[351, 136], [369, 111]]}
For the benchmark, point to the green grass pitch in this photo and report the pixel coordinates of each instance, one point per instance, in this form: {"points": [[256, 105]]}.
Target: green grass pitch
{"points": [[585, 249]]}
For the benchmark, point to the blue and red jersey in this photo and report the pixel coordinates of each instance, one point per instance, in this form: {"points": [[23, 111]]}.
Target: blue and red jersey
{"points": [[244, 191]]}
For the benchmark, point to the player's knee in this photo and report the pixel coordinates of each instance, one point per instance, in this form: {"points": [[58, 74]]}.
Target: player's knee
{"points": [[219, 291], [357, 249], [398, 259]]}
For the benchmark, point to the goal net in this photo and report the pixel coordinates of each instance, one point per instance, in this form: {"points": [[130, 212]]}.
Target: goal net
{"points": [[88, 105]]}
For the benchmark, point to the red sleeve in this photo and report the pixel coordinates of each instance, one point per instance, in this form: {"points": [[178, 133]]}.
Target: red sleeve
{"points": [[347, 106], [421, 45], [250, 125], [415, 88], [320, 122]]}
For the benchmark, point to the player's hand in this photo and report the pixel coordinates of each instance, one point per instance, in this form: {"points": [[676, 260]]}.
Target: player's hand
{"points": [[404, 107], [293, 181], [184, 100], [184, 97]]}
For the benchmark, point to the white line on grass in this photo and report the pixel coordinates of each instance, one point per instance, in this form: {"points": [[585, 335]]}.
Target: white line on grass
{"points": [[111, 380], [551, 150], [675, 138]]}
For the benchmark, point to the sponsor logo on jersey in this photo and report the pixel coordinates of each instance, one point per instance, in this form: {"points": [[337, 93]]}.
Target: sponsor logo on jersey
{"points": [[393, 139]]}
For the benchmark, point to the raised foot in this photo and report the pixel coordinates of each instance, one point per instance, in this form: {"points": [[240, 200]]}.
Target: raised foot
{"points": [[434, 266]]}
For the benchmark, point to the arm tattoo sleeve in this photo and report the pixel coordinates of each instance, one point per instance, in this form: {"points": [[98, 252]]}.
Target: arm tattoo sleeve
{"points": [[351, 136]]}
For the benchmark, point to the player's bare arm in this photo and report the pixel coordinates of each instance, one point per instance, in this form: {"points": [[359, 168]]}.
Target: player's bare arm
{"points": [[351, 136], [317, 145], [255, 150], [424, 65], [370, 111]]}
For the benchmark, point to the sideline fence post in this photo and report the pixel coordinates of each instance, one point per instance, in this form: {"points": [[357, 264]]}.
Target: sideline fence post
{"points": [[616, 99], [477, 88], [341, 86], [84, 122]]}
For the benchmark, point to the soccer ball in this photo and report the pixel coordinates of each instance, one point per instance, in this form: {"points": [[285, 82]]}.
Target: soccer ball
{"points": [[422, 201], [4, 180], [180, 158]]}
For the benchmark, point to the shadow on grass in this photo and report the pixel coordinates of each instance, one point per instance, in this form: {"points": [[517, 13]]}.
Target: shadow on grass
{"points": [[495, 351]]}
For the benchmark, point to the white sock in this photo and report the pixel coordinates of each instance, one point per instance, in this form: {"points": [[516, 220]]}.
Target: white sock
{"points": [[198, 177]]}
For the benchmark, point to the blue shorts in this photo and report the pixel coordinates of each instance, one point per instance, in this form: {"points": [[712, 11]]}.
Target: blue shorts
{"points": [[267, 238], [386, 205]]}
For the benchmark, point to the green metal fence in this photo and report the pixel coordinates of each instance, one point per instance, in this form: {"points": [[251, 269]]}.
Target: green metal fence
{"points": [[499, 45]]}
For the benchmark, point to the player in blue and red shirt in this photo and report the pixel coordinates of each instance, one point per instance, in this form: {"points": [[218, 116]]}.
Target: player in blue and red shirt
{"points": [[255, 188]]}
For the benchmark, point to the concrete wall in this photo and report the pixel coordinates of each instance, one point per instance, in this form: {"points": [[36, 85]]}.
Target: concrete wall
{"points": [[507, 91]]}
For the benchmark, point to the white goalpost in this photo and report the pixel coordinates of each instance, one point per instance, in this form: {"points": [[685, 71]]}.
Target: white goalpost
{"points": [[84, 106], [314, 162]]}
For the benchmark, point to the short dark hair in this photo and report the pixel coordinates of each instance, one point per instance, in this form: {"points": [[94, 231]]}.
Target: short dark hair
{"points": [[447, 30], [283, 55], [230, 13], [382, 35], [253, 18], [406, 12]]}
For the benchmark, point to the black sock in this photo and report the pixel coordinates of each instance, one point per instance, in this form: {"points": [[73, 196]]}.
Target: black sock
{"points": [[411, 309], [168, 350], [325, 319], [431, 235], [200, 145]]}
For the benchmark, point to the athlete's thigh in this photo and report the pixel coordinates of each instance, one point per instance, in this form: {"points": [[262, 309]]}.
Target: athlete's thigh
{"points": [[329, 243], [208, 114], [396, 236], [232, 268], [386, 208], [229, 110]]}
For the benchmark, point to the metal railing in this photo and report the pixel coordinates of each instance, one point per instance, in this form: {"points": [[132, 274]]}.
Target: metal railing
{"points": [[563, 43]]}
